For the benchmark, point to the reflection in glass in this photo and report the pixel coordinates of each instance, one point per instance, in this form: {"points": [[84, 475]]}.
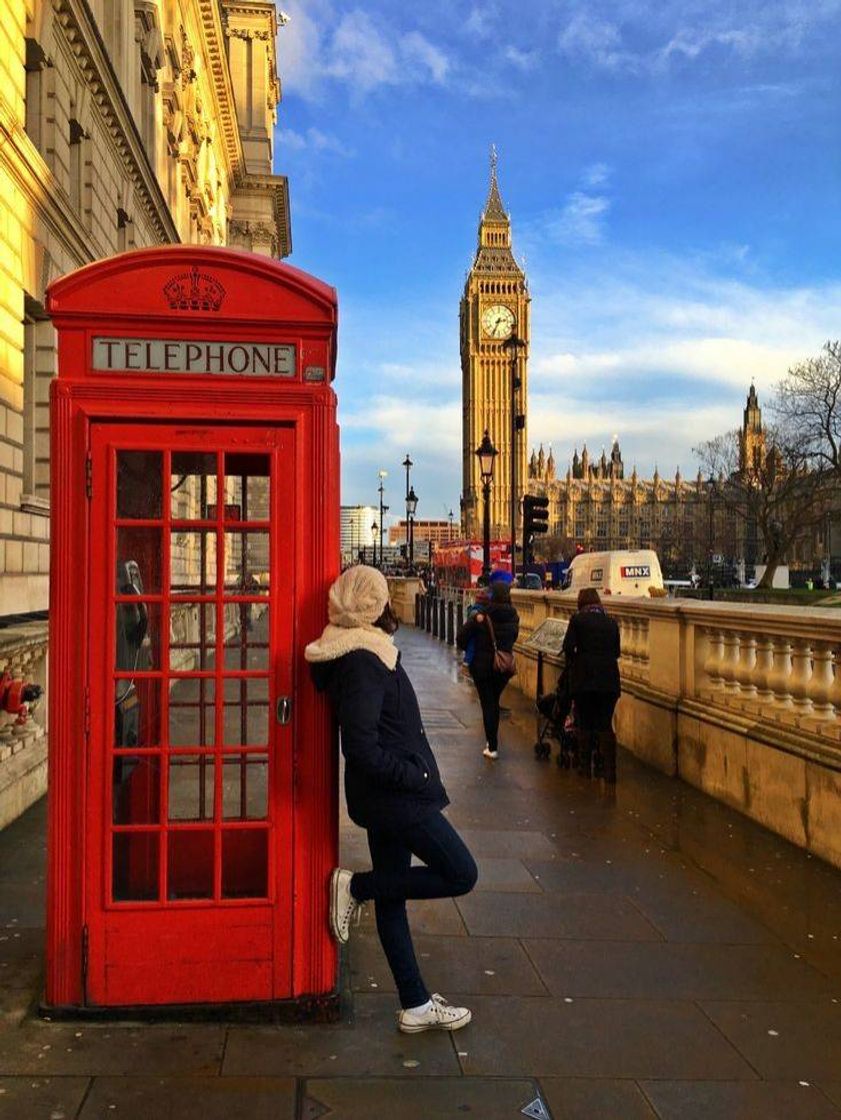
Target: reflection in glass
{"points": [[247, 639], [191, 787], [192, 637], [134, 874], [247, 563], [139, 485], [139, 552], [192, 558], [246, 722], [245, 863], [192, 485], [192, 713], [247, 487], [137, 712], [138, 637], [136, 789], [245, 790], [190, 863]]}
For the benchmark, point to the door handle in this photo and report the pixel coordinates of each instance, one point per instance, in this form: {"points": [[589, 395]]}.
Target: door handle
{"points": [[283, 711]]}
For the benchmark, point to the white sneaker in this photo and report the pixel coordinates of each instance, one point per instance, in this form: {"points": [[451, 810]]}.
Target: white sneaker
{"points": [[342, 904], [488, 753], [440, 1016]]}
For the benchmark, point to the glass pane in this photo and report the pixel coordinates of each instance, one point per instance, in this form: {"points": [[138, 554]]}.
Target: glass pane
{"points": [[135, 866], [247, 487], [247, 563], [192, 713], [245, 789], [191, 787], [190, 867], [192, 485], [245, 863], [246, 713], [192, 637], [140, 484], [138, 637], [246, 636], [137, 713], [139, 561], [192, 562], [136, 790]]}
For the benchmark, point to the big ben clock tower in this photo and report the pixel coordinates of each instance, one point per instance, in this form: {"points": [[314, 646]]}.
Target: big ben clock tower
{"points": [[494, 313]]}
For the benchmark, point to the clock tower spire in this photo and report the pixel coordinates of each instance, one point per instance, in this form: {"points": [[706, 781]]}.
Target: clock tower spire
{"points": [[494, 308]]}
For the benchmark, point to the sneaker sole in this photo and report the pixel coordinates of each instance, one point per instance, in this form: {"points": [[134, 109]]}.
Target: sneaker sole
{"points": [[334, 908], [454, 1026]]}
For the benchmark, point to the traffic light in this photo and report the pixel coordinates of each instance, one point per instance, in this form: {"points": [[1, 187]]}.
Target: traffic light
{"points": [[535, 521]]}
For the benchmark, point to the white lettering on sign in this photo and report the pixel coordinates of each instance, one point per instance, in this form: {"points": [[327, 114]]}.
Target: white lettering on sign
{"points": [[597, 575], [637, 571], [167, 355]]}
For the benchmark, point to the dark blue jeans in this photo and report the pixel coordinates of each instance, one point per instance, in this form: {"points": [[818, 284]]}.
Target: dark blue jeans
{"points": [[449, 870]]}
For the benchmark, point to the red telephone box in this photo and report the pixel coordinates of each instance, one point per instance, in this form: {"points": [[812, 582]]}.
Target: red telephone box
{"points": [[195, 530]]}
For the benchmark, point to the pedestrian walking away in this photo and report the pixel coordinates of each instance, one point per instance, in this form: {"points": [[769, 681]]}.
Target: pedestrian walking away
{"points": [[591, 645], [491, 634], [392, 786]]}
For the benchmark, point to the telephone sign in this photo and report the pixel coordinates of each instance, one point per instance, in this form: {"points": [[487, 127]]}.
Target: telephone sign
{"points": [[193, 773]]}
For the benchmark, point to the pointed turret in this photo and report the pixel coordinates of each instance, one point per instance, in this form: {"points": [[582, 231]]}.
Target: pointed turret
{"points": [[541, 462], [533, 465], [678, 479], [495, 253], [550, 466], [585, 462], [494, 210], [576, 465]]}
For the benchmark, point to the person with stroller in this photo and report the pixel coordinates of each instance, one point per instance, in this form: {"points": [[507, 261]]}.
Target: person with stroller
{"points": [[591, 645], [392, 786], [490, 633]]}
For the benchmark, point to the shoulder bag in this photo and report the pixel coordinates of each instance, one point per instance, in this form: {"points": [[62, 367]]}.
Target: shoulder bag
{"points": [[503, 662]]}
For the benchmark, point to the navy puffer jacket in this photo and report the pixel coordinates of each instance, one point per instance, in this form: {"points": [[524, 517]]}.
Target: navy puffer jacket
{"points": [[391, 776], [506, 625]]}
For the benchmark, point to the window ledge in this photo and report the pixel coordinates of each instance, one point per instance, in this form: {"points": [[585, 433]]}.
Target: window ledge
{"points": [[31, 503]]}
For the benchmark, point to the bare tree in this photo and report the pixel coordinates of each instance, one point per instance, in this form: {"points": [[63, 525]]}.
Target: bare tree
{"points": [[808, 406], [783, 492]]}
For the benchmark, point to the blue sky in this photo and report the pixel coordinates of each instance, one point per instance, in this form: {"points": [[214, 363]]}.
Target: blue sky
{"points": [[673, 173]]}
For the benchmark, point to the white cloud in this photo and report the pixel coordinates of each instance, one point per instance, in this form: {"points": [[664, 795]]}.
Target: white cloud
{"points": [[596, 175], [417, 49], [313, 140], [523, 60], [593, 39], [580, 222], [482, 20]]}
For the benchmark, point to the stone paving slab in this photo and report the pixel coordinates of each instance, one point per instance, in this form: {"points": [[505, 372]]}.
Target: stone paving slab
{"points": [[41, 1098], [47, 1049], [596, 1038], [509, 875], [576, 916], [796, 1039], [472, 965], [760, 1100], [665, 970], [438, 916], [577, 1098], [191, 1098], [445, 1098], [370, 1046]]}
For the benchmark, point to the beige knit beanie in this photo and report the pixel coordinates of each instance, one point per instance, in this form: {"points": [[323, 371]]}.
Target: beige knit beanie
{"points": [[358, 597]]}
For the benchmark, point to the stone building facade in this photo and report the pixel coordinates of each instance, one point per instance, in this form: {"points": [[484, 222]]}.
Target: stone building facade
{"points": [[123, 124]]}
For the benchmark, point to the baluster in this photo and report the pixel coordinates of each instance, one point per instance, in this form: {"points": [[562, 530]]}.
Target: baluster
{"points": [[633, 640], [714, 658], [822, 681], [643, 641], [801, 673], [730, 662], [781, 675], [745, 670], [764, 668]]}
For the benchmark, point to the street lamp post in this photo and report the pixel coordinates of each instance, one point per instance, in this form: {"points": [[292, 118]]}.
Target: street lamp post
{"points": [[711, 495], [411, 507], [408, 464], [382, 475], [374, 539], [514, 344], [486, 453], [450, 530]]}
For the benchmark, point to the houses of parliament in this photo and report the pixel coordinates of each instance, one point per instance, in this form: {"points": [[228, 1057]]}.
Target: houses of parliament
{"points": [[593, 502]]}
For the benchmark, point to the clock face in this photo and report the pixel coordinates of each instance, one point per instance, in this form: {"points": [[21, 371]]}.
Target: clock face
{"points": [[497, 321]]}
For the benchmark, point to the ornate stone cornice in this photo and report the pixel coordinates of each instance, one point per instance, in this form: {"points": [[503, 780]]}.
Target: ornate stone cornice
{"points": [[214, 37], [83, 38]]}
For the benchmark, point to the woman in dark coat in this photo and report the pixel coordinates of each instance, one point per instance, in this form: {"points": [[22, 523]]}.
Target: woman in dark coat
{"points": [[505, 623], [591, 645], [392, 786]]}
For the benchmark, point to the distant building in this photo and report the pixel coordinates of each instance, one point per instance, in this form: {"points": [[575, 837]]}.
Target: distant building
{"points": [[357, 530], [439, 532]]}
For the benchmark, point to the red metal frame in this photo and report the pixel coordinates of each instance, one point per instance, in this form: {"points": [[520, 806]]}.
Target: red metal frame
{"points": [[99, 953]]}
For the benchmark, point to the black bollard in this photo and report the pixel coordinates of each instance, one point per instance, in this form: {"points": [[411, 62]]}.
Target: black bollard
{"points": [[451, 636]]}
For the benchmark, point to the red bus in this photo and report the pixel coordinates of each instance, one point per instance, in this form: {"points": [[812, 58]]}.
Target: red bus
{"points": [[459, 564]]}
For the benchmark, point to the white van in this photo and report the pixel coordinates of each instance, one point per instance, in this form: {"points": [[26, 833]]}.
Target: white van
{"points": [[632, 572]]}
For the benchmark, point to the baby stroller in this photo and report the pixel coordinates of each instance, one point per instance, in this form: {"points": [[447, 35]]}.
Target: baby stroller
{"points": [[554, 721]]}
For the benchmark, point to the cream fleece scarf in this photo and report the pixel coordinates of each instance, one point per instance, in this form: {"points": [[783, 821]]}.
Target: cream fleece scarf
{"points": [[356, 601]]}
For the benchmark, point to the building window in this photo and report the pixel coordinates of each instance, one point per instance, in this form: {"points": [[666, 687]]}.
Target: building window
{"points": [[35, 63], [39, 364]]}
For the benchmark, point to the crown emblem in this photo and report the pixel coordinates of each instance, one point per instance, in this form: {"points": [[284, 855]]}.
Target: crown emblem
{"points": [[194, 291]]}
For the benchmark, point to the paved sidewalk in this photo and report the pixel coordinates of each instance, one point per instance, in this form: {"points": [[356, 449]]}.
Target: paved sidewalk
{"points": [[647, 955]]}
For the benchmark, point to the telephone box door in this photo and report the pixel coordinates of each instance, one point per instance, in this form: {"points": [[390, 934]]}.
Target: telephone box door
{"points": [[189, 779]]}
